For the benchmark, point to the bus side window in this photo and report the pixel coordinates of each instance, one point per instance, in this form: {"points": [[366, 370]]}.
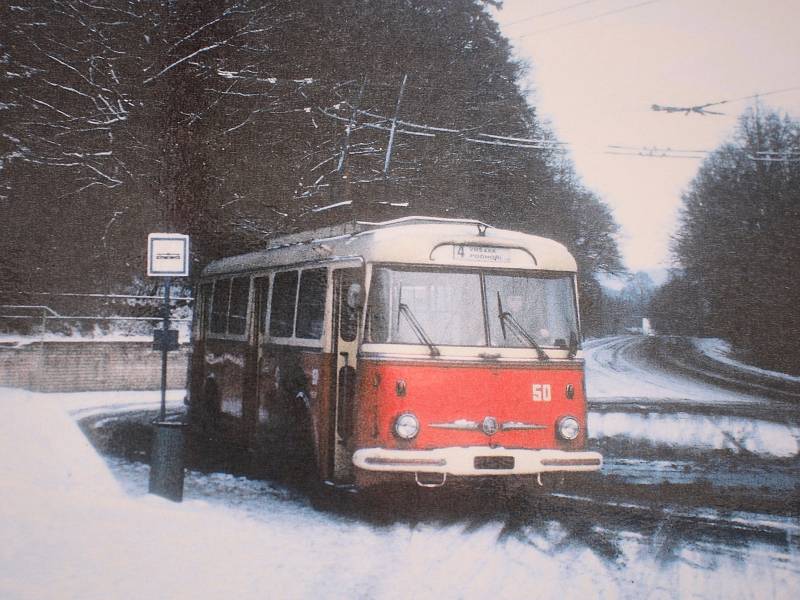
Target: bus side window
{"points": [[284, 296], [237, 316], [219, 305], [311, 303]]}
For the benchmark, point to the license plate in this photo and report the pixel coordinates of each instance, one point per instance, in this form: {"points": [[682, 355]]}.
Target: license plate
{"points": [[494, 462]]}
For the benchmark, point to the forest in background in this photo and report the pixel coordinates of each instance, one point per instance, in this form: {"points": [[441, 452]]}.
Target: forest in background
{"points": [[738, 246], [237, 121], [234, 121]]}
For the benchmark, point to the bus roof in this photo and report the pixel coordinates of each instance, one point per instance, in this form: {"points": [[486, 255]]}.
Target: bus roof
{"points": [[410, 240]]}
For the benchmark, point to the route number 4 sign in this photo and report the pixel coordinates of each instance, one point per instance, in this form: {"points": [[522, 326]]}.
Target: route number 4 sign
{"points": [[167, 255]]}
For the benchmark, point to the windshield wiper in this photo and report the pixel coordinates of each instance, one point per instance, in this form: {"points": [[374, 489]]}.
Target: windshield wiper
{"points": [[415, 325], [518, 329], [573, 345]]}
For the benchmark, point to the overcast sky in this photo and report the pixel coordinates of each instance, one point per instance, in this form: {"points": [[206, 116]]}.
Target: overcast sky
{"points": [[594, 76]]}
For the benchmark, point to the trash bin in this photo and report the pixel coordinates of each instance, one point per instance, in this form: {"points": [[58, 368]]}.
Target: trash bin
{"points": [[166, 460]]}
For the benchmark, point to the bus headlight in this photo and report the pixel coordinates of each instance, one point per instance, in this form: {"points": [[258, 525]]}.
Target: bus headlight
{"points": [[406, 426], [568, 428]]}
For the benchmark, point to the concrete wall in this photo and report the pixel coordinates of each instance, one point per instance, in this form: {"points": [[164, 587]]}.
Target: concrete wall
{"points": [[90, 366]]}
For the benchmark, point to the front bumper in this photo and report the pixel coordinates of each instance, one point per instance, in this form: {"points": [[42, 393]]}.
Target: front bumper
{"points": [[477, 461]]}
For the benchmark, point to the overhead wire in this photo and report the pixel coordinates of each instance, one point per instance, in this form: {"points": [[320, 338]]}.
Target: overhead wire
{"points": [[548, 13], [700, 108], [554, 145], [753, 96], [651, 154], [585, 19], [470, 134], [321, 81]]}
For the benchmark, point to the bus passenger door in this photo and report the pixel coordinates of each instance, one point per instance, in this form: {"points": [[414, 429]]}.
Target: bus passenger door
{"points": [[348, 302], [201, 410], [265, 369]]}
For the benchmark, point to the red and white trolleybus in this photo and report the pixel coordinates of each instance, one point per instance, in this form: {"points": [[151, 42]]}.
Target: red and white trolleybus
{"points": [[415, 350]]}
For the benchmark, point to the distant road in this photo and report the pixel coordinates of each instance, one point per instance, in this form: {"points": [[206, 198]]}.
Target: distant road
{"points": [[653, 371]]}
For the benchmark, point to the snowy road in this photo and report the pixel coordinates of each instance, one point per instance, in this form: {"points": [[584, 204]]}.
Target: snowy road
{"points": [[676, 372], [699, 500], [669, 409]]}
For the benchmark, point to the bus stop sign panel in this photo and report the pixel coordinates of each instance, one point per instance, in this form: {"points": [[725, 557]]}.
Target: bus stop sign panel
{"points": [[167, 255]]}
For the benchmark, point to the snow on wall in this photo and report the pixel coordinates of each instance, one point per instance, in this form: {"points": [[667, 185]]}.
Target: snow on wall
{"points": [[64, 367]]}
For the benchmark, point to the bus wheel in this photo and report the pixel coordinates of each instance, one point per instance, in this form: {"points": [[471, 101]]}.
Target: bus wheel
{"points": [[204, 413], [291, 441]]}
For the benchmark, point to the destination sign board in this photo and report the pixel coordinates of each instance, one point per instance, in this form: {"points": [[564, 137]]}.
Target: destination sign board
{"points": [[484, 254]]}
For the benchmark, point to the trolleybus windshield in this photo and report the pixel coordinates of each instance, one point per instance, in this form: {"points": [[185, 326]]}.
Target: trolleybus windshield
{"points": [[460, 308]]}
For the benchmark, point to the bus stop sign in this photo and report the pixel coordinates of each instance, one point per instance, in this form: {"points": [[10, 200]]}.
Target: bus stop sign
{"points": [[167, 255]]}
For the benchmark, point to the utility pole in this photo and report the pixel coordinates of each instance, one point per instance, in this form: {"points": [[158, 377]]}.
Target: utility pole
{"points": [[341, 168], [394, 127]]}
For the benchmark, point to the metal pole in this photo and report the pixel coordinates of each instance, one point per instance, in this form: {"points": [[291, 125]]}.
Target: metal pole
{"points": [[351, 124], [394, 126], [343, 158], [164, 350], [166, 455]]}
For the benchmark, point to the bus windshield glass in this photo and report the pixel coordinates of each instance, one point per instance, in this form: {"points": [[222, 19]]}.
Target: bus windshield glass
{"points": [[462, 308]]}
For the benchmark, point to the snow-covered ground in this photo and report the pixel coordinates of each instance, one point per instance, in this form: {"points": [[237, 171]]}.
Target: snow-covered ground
{"points": [[70, 530]]}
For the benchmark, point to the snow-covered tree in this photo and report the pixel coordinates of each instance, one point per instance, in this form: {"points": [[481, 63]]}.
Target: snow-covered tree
{"points": [[233, 120], [738, 238]]}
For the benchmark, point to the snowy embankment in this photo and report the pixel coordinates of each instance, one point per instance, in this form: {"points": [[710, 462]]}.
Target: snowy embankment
{"points": [[720, 351], [699, 432], [618, 376], [70, 531]]}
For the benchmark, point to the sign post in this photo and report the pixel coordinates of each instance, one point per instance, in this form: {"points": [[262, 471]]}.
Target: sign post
{"points": [[167, 257]]}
